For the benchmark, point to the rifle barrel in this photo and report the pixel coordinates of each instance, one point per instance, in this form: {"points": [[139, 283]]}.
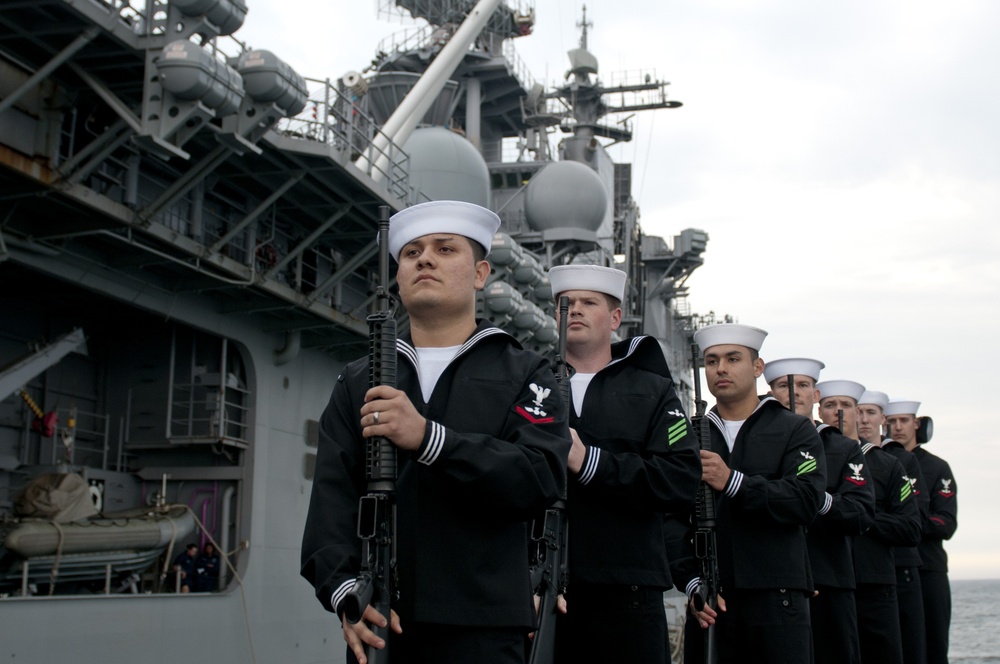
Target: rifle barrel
{"points": [[791, 392]]}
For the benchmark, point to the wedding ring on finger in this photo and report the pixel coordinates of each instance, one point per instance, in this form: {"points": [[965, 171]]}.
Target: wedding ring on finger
{"points": [[375, 417]]}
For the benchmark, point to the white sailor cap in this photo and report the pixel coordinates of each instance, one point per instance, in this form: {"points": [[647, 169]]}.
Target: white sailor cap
{"points": [[840, 388], [729, 333], [608, 280], [473, 221], [902, 408], [796, 366], [874, 397]]}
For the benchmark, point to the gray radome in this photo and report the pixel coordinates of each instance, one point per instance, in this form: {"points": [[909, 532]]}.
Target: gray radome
{"points": [[565, 194], [445, 166]]}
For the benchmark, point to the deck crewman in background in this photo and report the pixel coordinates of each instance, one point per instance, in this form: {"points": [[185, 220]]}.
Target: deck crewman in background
{"points": [[847, 511], [908, 561], [897, 523], [482, 444], [940, 523], [908, 593], [871, 416], [633, 458], [768, 469], [838, 405]]}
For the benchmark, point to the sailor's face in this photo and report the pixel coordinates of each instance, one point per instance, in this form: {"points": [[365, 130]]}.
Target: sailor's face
{"points": [[829, 412], [591, 319], [806, 394], [731, 372], [870, 420], [903, 429], [439, 269]]}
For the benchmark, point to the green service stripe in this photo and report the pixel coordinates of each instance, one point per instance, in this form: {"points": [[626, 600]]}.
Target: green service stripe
{"points": [[676, 431], [674, 437], [905, 491], [807, 467]]}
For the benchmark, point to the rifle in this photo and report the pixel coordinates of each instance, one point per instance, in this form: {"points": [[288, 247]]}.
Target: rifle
{"points": [[840, 419], [705, 548], [549, 570], [791, 392], [377, 584], [562, 368]]}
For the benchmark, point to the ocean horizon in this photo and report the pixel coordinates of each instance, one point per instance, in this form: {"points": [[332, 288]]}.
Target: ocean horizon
{"points": [[975, 619]]}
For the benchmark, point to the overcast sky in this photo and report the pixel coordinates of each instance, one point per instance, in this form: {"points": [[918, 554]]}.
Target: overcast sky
{"points": [[845, 161]]}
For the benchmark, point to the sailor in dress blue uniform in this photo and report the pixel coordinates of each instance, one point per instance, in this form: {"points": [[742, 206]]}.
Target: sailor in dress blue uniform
{"points": [[482, 445], [940, 524], [769, 471], [897, 523], [908, 561], [633, 459], [848, 510]]}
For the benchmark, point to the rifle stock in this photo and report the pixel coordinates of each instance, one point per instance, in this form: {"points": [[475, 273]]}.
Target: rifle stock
{"points": [[705, 547], [376, 584], [549, 573]]}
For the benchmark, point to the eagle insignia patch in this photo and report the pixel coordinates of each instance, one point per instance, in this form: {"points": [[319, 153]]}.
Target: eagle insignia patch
{"points": [[534, 412], [857, 478]]}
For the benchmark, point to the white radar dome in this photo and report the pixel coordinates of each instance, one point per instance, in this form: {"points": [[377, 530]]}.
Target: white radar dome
{"points": [[445, 166], [565, 194]]}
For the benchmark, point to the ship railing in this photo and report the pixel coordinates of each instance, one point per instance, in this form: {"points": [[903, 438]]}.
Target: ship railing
{"points": [[631, 78], [512, 149], [206, 227], [309, 272], [134, 16], [207, 412], [516, 65], [513, 218], [82, 437], [333, 118], [636, 88], [121, 570], [130, 16], [681, 307], [259, 246], [437, 12], [554, 106], [411, 39], [431, 37]]}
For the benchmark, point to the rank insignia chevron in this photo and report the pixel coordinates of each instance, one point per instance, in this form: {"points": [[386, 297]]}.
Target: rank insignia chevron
{"points": [[676, 431], [806, 467]]}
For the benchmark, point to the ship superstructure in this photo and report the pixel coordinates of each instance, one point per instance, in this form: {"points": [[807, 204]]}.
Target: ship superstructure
{"points": [[187, 257]]}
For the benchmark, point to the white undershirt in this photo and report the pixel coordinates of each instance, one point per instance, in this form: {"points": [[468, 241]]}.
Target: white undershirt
{"points": [[732, 428], [431, 363], [580, 382]]}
